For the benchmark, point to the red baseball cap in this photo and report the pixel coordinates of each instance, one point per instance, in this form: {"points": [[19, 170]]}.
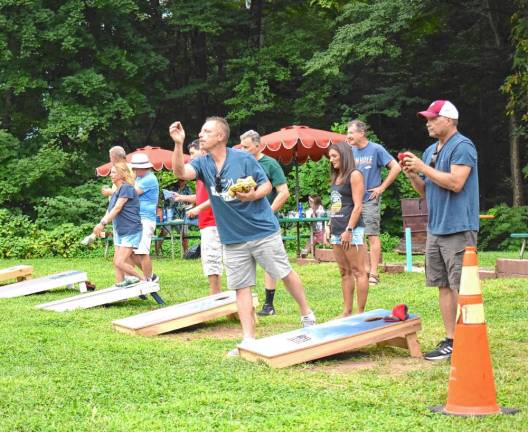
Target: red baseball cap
{"points": [[442, 108]]}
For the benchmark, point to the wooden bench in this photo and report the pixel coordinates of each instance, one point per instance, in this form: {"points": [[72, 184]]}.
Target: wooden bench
{"points": [[522, 236]]}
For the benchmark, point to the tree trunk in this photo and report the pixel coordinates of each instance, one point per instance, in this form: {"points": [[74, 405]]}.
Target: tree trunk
{"points": [[515, 164], [258, 29]]}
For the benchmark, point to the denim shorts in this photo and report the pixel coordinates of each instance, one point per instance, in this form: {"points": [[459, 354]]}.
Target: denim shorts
{"points": [[130, 240], [357, 237]]}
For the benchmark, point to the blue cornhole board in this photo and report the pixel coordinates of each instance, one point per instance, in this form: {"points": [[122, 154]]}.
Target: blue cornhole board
{"points": [[333, 337]]}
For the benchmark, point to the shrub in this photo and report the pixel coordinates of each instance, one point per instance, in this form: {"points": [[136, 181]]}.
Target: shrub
{"points": [[495, 234], [19, 238], [75, 205], [388, 242]]}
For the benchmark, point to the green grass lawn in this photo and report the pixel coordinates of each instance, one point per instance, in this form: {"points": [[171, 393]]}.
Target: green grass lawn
{"points": [[72, 372]]}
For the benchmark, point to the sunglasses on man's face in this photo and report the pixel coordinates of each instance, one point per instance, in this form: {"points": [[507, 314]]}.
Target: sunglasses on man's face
{"points": [[218, 184]]}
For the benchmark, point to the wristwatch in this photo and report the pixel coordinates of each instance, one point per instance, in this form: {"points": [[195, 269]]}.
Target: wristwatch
{"points": [[349, 229]]}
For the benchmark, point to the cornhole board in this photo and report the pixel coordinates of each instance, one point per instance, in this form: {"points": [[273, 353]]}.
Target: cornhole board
{"points": [[103, 297], [19, 272], [46, 283], [181, 315], [332, 337]]}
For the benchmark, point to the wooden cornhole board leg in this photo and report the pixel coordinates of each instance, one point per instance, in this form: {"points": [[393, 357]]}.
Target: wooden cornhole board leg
{"points": [[101, 297], [234, 316], [19, 272], [181, 315], [333, 337], [409, 342]]}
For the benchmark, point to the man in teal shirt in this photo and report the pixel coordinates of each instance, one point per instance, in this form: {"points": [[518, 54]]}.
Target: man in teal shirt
{"points": [[250, 142]]}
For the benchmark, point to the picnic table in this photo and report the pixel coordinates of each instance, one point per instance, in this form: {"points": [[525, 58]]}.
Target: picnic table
{"points": [[176, 225], [523, 237], [287, 222]]}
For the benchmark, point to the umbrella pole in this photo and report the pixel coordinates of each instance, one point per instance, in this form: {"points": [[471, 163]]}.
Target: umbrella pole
{"points": [[297, 203]]}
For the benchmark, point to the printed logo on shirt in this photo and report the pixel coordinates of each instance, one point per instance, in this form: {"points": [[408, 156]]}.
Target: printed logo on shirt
{"points": [[224, 195], [335, 203], [363, 162]]}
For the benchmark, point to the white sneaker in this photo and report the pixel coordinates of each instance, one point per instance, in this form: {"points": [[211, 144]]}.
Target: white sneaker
{"points": [[308, 320], [235, 352]]}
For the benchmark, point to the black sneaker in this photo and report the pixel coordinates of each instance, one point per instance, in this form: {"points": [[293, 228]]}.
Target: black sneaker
{"points": [[267, 310], [442, 351], [154, 278]]}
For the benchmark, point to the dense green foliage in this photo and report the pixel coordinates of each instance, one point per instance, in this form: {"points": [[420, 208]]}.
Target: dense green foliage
{"points": [[495, 234], [20, 238], [77, 77]]}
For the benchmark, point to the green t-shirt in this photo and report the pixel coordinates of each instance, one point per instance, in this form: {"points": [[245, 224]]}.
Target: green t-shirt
{"points": [[275, 175]]}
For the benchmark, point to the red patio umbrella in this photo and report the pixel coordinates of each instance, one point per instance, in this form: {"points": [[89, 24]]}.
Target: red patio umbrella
{"points": [[159, 157], [299, 143]]}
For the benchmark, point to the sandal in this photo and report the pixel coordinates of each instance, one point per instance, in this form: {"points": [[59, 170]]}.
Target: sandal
{"points": [[373, 279]]}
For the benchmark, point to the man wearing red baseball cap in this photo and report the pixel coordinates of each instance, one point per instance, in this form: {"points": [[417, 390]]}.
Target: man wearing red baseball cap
{"points": [[447, 176]]}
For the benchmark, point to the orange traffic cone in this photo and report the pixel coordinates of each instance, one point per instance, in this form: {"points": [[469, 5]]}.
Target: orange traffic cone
{"points": [[471, 388]]}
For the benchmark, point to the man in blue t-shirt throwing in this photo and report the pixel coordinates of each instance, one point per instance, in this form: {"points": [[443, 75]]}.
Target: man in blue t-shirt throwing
{"points": [[247, 227], [447, 176], [370, 158]]}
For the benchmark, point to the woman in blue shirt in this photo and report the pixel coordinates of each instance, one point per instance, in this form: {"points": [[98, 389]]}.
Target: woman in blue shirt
{"points": [[123, 211]]}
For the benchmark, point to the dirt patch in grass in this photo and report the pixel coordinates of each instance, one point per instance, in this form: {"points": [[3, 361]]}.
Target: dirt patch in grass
{"points": [[402, 366], [358, 361], [207, 330]]}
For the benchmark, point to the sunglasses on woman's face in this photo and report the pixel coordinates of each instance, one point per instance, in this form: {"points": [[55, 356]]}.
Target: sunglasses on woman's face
{"points": [[218, 184]]}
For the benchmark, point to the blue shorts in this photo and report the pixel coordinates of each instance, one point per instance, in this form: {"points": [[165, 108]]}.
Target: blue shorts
{"points": [[130, 240], [357, 237]]}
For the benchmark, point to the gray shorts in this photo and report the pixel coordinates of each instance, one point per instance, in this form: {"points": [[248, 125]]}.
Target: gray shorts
{"points": [[371, 215], [240, 261], [443, 258]]}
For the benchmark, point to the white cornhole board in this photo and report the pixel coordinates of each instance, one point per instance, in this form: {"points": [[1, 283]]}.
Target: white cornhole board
{"points": [[19, 272], [46, 283], [101, 297], [181, 315], [332, 337]]}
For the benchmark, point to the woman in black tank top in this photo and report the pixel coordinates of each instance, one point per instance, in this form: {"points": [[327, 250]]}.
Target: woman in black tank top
{"points": [[346, 226]]}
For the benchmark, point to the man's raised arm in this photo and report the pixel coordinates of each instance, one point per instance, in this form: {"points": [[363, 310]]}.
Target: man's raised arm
{"points": [[179, 168]]}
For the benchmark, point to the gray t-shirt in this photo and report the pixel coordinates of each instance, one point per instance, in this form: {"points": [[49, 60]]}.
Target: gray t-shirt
{"points": [[237, 221], [451, 212], [369, 161]]}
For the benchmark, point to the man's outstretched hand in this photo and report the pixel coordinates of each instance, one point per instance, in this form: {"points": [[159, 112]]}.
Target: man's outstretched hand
{"points": [[177, 133]]}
